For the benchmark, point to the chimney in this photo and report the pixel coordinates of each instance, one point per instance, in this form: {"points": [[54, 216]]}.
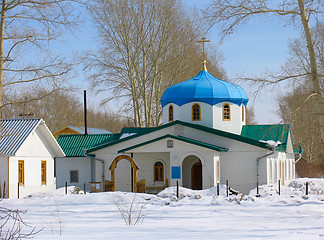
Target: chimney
{"points": [[85, 112]]}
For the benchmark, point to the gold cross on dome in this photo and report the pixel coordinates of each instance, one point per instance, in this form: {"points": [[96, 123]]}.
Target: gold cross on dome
{"points": [[203, 41]]}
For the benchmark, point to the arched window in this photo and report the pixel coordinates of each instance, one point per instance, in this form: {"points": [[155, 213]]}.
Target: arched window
{"points": [[158, 171], [170, 113], [242, 112], [226, 112], [196, 112]]}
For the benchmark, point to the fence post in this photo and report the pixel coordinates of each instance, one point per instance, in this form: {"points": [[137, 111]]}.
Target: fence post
{"points": [[257, 188], [226, 188], [279, 186], [84, 188], [306, 188], [4, 189], [218, 189], [177, 189], [65, 188], [18, 190]]}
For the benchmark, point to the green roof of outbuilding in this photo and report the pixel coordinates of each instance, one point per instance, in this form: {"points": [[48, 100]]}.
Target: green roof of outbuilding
{"points": [[73, 144], [277, 132]]}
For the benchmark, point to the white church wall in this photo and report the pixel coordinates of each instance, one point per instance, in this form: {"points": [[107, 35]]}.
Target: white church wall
{"points": [[146, 156], [176, 156], [234, 125], [208, 159], [206, 112], [67, 164], [146, 162], [240, 169], [210, 170], [165, 113], [263, 171], [233, 145], [184, 113], [238, 165], [134, 141], [108, 159], [211, 116], [4, 174], [99, 171]]}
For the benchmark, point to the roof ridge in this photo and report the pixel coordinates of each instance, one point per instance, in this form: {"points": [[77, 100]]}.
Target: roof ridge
{"points": [[15, 119], [196, 126], [276, 124]]}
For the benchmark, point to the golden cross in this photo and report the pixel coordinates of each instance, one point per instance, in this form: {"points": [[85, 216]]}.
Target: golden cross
{"points": [[203, 41]]}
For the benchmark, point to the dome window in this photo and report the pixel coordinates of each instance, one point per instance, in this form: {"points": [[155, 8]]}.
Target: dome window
{"points": [[226, 112], [196, 112], [171, 113]]}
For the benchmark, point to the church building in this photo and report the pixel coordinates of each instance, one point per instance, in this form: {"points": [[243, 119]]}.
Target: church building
{"points": [[203, 141]]}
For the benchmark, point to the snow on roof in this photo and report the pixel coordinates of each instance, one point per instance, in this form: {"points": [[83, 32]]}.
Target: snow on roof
{"points": [[126, 135], [271, 142], [90, 130]]}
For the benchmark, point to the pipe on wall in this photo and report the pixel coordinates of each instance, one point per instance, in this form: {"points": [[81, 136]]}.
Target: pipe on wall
{"points": [[258, 161], [103, 165]]}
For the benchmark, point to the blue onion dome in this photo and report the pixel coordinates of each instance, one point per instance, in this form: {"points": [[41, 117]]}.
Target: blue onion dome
{"points": [[204, 88]]}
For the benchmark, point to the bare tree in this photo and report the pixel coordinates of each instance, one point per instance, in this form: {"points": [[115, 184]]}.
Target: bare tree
{"points": [[60, 109], [230, 14], [250, 117], [133, 212], [27, 29], [146, 47], [297, 109], [12, 225]]}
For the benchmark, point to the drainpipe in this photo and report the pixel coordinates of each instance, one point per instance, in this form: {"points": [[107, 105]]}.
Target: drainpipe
{"points": [[100, 160], [258, 161], [300, 154]]}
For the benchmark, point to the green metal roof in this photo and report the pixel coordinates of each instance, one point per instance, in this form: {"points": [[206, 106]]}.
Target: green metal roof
{"points": [[135, 130], [190, 125], [277, 132], [180, 138], [73, 144]]}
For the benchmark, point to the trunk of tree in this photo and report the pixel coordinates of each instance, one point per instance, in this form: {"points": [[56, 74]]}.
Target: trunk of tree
{"points": [[314, 68], [2, 60]]}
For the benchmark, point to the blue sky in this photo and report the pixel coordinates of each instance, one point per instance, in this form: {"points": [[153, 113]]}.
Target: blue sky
{"points": [[256, 47]]}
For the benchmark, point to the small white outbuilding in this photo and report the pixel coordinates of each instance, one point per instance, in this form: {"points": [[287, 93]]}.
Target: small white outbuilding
{"points": [[27, 152]]}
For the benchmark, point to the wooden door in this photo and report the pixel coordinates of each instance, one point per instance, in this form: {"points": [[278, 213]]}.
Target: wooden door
{"points": [[196, 176]]}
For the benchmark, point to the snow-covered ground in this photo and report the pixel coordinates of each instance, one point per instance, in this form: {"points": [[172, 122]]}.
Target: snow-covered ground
{"points": [[195, 215]]}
